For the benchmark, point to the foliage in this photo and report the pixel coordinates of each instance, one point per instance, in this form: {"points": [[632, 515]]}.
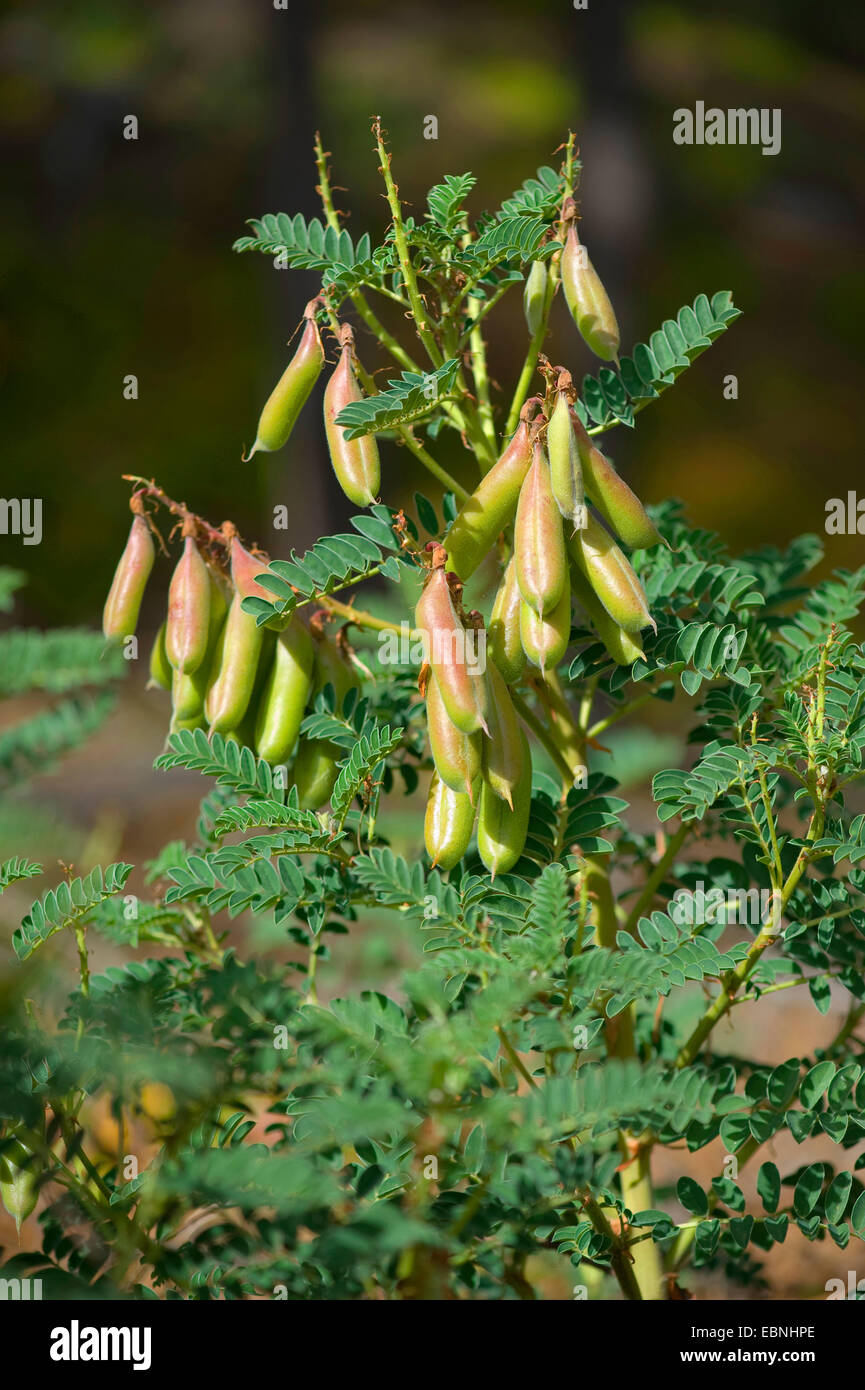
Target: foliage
{"points": [[501, 1103]]}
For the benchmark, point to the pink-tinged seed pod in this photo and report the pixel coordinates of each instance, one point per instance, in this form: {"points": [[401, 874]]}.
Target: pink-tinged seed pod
{"points": [[189, 690], [566, 474], [545, 640], [503, 750], [502, 831], [355, 461], [246, 570], [452, 654], [448, 824], [588, 301], [503, 637], [611, 576], [457, 756], [291, 392], [539, 543], [187, 625], [120, 615], [491, 507], [235, 662], [620, 508], [621, 645]]}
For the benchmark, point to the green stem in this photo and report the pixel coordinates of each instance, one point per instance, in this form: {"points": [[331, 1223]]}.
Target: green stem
{"points": [[418, 308], [734, 979], [530, 365], [657, 876]]}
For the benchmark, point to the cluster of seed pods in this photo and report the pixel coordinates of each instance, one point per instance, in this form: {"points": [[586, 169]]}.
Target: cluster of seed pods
{"points": [[543, 484], [225, 673], [355, 461], [482, 760]]}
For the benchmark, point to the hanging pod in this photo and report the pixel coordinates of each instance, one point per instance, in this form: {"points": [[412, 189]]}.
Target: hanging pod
{"points": [[315, 772], [588, 301], [286, 691], [291, 392], [315, 763], [189, 690], [534, 295], [502, 831], [457, 756], [448, 824], [503, 636], [491, 507], [621, 645], [619, 506], [120, 615], [235, 661], [539, 543], [187, 625], [503, 750], [611, 576], [566, 473], [19, 1189], [160, 667], [355, 461], [452, 653], [545, 640]]}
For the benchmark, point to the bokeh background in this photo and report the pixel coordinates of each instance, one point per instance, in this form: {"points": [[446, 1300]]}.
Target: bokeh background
{"points": [[117, 260]]}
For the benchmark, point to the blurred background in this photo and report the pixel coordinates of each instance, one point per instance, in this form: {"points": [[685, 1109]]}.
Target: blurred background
{"points": [[117, 260]]}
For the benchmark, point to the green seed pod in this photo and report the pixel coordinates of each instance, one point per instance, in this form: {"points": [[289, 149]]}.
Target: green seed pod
{"points": [[355, 461], [503, 750], [539, 543], [291, 392], [566, 474], [611, 576], [534, 296], [160, 668], [457, 756], [501, 831], [588, 301], [503, 638], [491, 507], [622, 647], [452, 654], [315, 765], [448, 824], [333, 668], [545, 640], [187, 626], [19, 1188], [120, 615], [315, 772], [235, 664], [283, 700], [620, 508]]}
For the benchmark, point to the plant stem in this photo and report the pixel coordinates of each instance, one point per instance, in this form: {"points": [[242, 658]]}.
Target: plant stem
{"points": [[530, 364], [657, 876], [419, 312], [645, 1278], [734, 979]]}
